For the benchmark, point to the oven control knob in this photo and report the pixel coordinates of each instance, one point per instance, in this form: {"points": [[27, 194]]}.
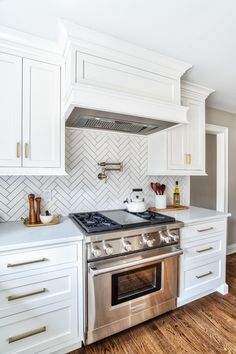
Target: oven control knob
{"points": [[173, 236], [147, 241], [150, 243], [165, 238], [108, 249], [127, 246], [96, 251]]}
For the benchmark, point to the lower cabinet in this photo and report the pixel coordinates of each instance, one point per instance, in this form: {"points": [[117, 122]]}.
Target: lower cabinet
{"points": [[41, 307], [202, 265], [39, 329]]}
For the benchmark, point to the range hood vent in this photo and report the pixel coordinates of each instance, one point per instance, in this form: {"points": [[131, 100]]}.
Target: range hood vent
{"points": [[94, 119]]}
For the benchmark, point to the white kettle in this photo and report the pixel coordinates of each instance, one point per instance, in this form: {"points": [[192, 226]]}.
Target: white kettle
{"points": [[136, 204]]}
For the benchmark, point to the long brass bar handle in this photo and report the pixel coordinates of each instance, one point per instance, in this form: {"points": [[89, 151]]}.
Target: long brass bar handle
{"points": [[204, 275], [16, 297], [26, 150], [207, 229], [11, 265], [204, 250], [27, 334], [18, 150]]}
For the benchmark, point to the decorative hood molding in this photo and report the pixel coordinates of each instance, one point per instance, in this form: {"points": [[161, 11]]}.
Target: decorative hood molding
{"points": [[106, 74]]}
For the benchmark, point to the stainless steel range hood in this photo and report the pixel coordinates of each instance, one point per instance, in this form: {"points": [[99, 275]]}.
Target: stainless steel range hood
{"points": [[95, 119]]}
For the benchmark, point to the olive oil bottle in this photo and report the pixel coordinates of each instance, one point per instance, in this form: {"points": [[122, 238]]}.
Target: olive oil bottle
{"points": [[176, 195]]}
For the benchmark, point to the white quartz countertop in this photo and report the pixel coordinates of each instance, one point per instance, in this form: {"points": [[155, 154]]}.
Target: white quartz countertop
{"points": [[14, 235], [194, 214]]}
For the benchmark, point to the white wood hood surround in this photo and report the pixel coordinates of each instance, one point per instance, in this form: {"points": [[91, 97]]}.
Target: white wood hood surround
{"points": [[107, 74]]}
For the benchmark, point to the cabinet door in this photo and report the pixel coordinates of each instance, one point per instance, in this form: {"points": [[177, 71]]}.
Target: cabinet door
{"points": [[41, 114], [177, 147], [10, 110], [196, 134]]}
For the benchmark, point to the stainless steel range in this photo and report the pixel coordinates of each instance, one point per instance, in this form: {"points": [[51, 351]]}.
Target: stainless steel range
{"points": [[132, 268]]}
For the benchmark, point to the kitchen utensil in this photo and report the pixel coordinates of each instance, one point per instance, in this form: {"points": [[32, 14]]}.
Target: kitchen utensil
{"points": [[154, 187], [136, 203], [32, 215], [162, 189], [38, 209]]}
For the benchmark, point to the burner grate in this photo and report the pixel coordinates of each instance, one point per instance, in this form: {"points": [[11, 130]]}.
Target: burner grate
{"points": [[95, 222]]}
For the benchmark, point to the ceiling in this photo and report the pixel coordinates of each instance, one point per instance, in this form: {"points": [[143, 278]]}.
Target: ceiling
{"points": [[196, 31]]}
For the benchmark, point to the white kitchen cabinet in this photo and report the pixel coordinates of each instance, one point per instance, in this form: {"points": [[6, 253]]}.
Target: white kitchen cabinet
{"points": [[202, 265], [41, 114], [41, 298], [10, 110], [186, 144], [32, 131], [182, 148]]}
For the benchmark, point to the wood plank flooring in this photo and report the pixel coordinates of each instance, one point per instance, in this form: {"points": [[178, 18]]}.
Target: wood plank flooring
{"points": [[205, 326]]}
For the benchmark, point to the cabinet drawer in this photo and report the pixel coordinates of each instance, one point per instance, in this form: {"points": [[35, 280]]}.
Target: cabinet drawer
{"points": [[201, 251], [35, 330], [189, 233], [35, 291], [35, 259], [200, 276]]}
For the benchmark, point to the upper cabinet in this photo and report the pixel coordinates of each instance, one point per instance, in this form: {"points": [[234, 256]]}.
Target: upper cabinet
{"points": [[10, 110], [41, 114], [32, 131], [181, 149]]}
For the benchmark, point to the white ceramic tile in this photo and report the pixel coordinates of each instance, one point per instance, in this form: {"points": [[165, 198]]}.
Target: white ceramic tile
{"points": [[81, 190]]}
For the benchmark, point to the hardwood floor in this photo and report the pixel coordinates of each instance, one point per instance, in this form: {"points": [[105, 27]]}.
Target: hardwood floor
{"points": [[206, 326]]}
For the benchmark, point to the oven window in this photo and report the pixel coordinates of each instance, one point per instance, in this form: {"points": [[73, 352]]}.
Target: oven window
{"points": [[135, 283]]}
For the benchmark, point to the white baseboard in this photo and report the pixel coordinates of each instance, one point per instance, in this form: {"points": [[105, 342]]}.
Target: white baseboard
{"points": [[231, 248]]}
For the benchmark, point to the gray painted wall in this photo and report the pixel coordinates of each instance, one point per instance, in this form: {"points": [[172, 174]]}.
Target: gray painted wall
{"points": [[203, 188], [214, 116]]}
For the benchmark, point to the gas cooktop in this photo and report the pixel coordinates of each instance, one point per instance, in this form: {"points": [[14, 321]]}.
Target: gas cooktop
{"points": [[102, 221]]}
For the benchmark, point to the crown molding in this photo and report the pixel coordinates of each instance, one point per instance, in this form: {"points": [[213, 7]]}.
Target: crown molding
{"points": [[92, 40], [27, 45], [195, 91]]}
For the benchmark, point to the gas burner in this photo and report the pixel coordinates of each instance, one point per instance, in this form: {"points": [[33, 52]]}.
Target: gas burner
{"points": [[95, 222], [154, 218]]}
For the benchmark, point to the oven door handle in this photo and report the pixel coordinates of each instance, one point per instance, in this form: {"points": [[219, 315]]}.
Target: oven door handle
{"points": [[96, 272]]}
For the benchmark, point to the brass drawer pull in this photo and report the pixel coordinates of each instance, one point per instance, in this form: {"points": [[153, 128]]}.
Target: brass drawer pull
{"points": [[204, 275], [11, 265], [208, 229], [18, 150], [204, 250], [27, 334], [26, 150], [16, 297]]}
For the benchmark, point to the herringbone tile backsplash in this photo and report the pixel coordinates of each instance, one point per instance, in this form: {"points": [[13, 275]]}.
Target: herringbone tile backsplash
{"points": [[81, 190]]}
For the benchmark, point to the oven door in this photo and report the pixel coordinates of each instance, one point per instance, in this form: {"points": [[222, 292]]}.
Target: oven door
{"points": [[128, 290]]}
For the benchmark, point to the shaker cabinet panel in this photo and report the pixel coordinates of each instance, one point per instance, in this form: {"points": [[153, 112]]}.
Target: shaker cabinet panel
{"points": [[10, 110], [196, 134], [41, 114], [103, 72], [176, 138], [186, 143]]}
